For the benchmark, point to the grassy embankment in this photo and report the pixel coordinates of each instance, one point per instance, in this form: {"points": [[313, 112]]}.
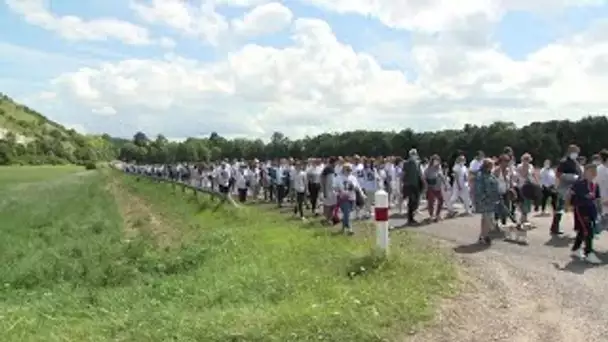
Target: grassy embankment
{"points": [[100, 257]]}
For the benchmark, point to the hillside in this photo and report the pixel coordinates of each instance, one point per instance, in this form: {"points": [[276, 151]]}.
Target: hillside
{"points": [[28, 137]]}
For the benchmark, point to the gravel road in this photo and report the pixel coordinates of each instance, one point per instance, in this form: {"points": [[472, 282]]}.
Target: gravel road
{"points": [[520, 293]]}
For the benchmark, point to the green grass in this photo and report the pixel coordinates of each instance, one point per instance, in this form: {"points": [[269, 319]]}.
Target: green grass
{"points": [[13, 175], [67, 272]]}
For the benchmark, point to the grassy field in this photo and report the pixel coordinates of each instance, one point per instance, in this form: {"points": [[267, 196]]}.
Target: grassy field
{"points": [[102, 257], [15, 175]]}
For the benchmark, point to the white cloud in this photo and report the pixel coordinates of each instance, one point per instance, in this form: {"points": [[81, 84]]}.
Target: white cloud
{"points": [[36, 12], [105, 110], [167, 43], [201, 19], [318, 84], [241, 3], [198, 21], [47, 95], [264, 19], [441, 15]]}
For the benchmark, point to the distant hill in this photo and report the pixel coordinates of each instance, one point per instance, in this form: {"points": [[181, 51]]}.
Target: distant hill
{"points": [[28, 137]]}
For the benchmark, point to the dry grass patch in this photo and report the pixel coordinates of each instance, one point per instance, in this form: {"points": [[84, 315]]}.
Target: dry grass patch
{"points": [[139, 218]]}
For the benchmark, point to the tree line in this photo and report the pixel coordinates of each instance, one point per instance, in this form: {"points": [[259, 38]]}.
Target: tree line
{"points": [[543, 140]]}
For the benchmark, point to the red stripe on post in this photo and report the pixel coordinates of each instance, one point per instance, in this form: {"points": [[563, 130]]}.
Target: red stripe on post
{"points": [[381, 214]]}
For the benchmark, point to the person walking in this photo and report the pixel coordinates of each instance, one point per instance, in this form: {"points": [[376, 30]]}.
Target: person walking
{"points": [[435, 182], [412, 185], [460, 189], [568, 172], [486, 198], [584, 196]]}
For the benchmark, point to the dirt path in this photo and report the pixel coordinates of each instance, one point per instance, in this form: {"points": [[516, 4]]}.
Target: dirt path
{"points": [[138, 217], [520, 293]]}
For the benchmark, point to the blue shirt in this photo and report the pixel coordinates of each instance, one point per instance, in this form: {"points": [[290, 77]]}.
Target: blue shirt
{"points": [[272, 174]]}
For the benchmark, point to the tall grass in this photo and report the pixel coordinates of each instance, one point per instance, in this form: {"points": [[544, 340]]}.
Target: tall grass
{"points": [[69, 273]]}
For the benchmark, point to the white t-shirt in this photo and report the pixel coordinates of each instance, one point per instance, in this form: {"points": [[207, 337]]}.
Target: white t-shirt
{"points": [[358, 171], [300, 181], [223, 176], [253, 176], [547, 177], [523, 176], [370, 179], [292, 173], [602, 183], [460, 174], [338, 169], [314, 174], [241, 179], [347, 186], [330, 197], [382, 177], [475, 165], [390, 171]]}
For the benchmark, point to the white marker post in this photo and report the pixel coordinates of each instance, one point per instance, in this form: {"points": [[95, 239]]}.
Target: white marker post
{"points": [[381, 217]]}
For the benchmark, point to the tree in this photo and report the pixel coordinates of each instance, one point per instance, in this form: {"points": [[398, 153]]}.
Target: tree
{"points": [[140, 139], [544, 140]]}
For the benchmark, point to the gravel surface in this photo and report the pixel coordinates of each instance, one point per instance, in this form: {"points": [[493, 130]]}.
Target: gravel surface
{"points": [[520, 293]]}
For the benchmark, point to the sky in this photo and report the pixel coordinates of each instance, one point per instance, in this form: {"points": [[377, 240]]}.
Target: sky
{"points": [[248, 68]]}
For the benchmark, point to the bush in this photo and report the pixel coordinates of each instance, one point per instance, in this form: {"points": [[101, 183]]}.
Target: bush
{"points": [[90, 166]]}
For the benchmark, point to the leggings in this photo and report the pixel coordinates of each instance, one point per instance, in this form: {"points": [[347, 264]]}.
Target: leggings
{"points": [[548, 194], [584, 227], [298, 207], [281, 194], [313, 190], [434, 202]]}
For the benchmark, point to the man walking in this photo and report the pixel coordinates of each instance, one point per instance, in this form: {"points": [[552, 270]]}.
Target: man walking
{"points": [[412, 185], [568, 172]]}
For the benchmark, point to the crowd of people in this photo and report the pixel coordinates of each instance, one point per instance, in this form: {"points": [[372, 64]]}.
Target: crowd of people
{"points": [[499, 189]]}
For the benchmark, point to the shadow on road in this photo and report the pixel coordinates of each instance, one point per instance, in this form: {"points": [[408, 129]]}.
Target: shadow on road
{"points": [[471, 248], [559, 241], [578, 266]]}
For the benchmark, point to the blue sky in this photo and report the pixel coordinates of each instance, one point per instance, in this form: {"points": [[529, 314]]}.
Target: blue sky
{"points": [[32, 55]]}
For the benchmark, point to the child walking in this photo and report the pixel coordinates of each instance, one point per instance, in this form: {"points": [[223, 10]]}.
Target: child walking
{"points": [[584, 195]]}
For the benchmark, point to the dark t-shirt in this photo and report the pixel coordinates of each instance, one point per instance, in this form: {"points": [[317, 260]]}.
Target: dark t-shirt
{"points": [[584, 198], [327, 170], [568, 166]]}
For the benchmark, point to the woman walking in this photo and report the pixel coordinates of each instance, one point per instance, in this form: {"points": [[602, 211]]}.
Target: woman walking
{"points": [[527, 183], [435, 181], [486, 199], [347, 188]]}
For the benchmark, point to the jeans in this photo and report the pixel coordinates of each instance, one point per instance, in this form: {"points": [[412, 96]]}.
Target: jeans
{"points": [[346, 207], [298, 207]]}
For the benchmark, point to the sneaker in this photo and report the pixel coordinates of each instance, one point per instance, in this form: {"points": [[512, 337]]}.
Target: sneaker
{"points": [[451, 214], [593, 259], [578, 254]]}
